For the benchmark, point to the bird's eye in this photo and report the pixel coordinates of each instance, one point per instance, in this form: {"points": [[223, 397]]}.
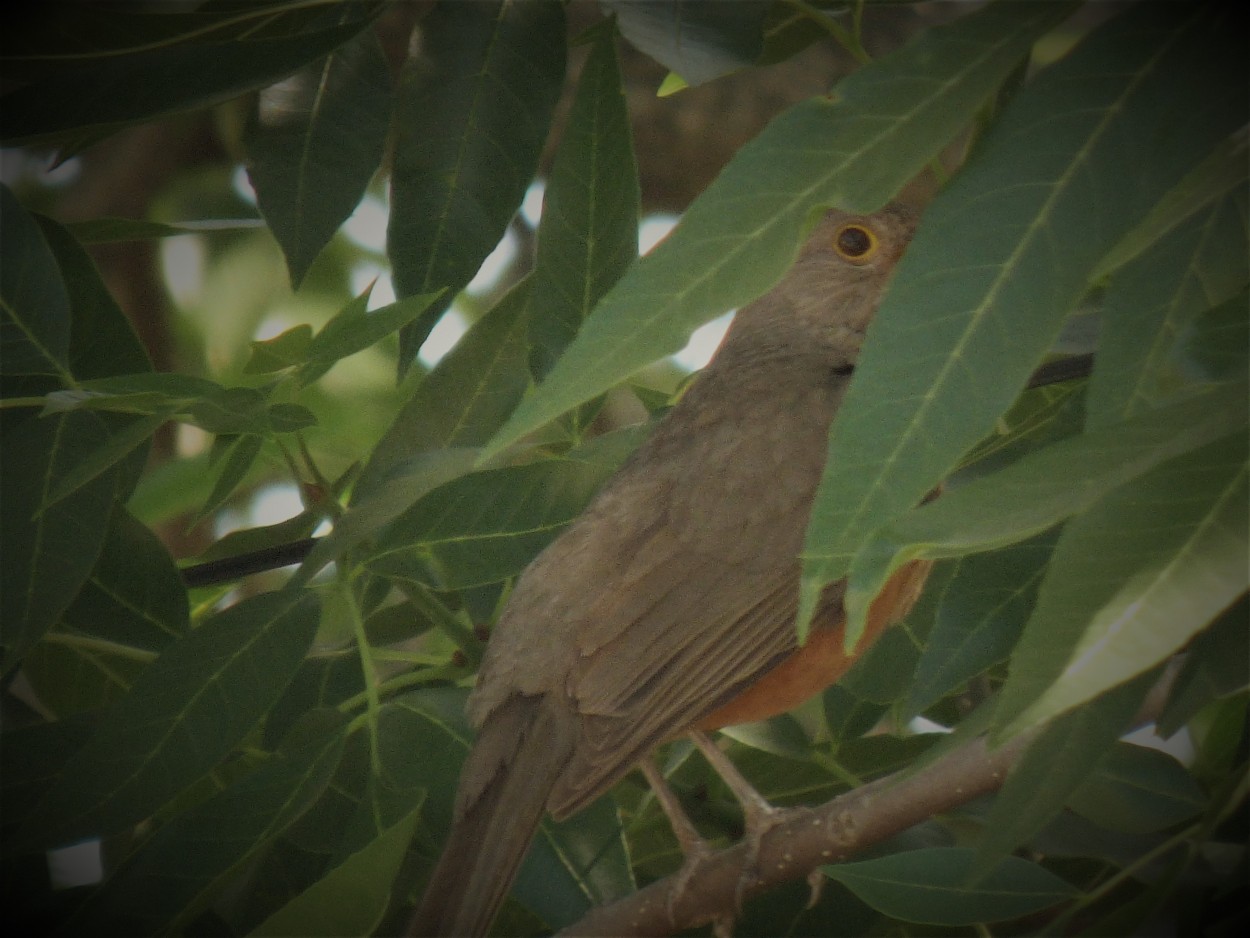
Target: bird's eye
{"points": [[855, 243]]}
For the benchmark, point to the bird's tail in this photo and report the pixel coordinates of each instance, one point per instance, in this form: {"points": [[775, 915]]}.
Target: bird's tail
{"points": [[503, 794]]}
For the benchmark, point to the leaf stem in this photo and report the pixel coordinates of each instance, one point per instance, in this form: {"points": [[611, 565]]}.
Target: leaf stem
{"points": [[848, 39], [368, 670], [89, 643], [15, 402]]}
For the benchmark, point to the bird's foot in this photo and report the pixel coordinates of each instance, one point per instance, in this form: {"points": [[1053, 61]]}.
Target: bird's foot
{"points": [[694, 848], [759, 816]]}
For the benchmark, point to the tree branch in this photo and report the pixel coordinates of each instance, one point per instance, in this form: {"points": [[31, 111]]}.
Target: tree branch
{"points": [[832, 833], [808, 838]]}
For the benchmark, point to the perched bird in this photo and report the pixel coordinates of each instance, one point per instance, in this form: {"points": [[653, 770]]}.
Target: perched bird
{"points": [[669, 605]]}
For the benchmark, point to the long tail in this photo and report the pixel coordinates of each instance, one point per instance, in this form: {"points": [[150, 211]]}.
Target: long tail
{"points": [[503, 792]]}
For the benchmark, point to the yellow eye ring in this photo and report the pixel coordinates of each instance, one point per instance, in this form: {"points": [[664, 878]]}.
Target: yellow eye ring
{"points": [[855, 243]]}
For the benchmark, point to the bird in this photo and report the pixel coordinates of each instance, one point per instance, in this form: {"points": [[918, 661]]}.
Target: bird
{"points": [[668, 606]]}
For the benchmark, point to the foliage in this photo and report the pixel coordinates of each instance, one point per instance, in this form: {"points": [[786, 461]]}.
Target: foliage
{"points": [[257, 762]]}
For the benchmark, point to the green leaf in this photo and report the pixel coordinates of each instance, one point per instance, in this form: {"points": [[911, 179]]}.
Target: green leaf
{"points": [[931, 887], [854, 149], [1055, 765], [990, 512], [588, 235], [183, 716], [1131, 581], [1221, 174], [149, 83], [282, 351], [110, 230], [1007, 250], [188, 861], [73, 675], [421, 475], [471, 118], [208, 405], [1212, 347], [287, 418], [315, 142], [353, 897], [698, 41], [464, 399], [1217, 664], [1152, 300], [320, 681], [35, 330], [134, 595], [1138, 791], [47, 555], [354, 329], [33, 758], [55, 37], [980, 615], [141, 392], [240, 454], [488, 526], [102, 340], [130, 437], [574, 865]]}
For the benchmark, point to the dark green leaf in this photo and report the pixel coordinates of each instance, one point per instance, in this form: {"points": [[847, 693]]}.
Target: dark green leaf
{"points": [[1213, 347], [315, 143], [589, 229], [981, 612], [574, 865], [1217, 664], [471, 117], [1155, 298], [47, 555], [108, 230], [419, 476], [489, 525], [102, 340], [33, 758], [1138, 791], [282, 351], [176, 872], [1054, 766], [853, 149], [134, 595], [353, 330], [72, 674], [52, 36], [1132, 580], [184, 714], [932, 887], [287, 418], [1006, 252], [1222, 173], [240, 454], [990, 513], [320, 681], [698, 41], [353, 897], [129, 438], [465, 398], [35, 331], [150, 83]]}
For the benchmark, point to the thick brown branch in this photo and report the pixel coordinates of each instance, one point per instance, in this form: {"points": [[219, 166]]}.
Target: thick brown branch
{"points": [[808, 838], [831, 833]]}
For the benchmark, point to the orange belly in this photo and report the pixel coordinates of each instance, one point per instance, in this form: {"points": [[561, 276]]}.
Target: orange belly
{"points": [[819, 663]]}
